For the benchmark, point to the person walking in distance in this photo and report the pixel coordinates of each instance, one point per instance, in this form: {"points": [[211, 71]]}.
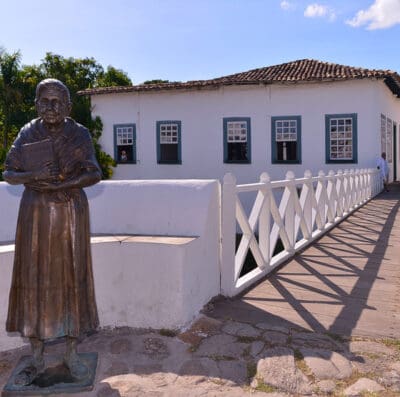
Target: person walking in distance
{"points": [[383, 168]]}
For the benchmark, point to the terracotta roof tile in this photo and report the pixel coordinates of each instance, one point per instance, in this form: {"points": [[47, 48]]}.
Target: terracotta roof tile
{"points": [[304, 70]]}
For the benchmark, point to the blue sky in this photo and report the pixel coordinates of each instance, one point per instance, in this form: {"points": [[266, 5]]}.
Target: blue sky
{"points": [[182, 40]]}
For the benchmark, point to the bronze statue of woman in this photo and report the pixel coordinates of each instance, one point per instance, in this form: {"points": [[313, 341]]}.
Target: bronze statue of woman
{"points": [[52, 292]]}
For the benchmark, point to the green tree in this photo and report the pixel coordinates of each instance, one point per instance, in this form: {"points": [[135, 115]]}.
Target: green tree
{"points": [[113, 77], [3, 153], [17, 94], [10, 94], [30, 77], [106, 162], [156, 81]]}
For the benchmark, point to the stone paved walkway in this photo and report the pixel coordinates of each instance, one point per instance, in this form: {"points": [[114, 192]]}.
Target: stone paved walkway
{"points": [[326, 324], [348, 282]]}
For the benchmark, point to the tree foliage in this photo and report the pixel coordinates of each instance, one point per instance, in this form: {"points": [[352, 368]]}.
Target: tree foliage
{"points": [[10, 95], [17, 94], [113, 77], [161, 81], [156, 81]]}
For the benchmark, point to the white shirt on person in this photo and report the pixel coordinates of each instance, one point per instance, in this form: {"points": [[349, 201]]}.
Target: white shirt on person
{"points": [[383, 167]]}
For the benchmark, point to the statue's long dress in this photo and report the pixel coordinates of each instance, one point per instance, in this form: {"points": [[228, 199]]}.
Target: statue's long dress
{"points": [[52, 292]]}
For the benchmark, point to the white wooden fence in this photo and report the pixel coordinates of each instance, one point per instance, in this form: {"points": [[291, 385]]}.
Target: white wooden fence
{"points": [[296, 211]]}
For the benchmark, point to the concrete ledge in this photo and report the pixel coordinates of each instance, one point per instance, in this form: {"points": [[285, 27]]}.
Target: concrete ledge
{"points": [[149, 281], [7, 247], [173, 240]]}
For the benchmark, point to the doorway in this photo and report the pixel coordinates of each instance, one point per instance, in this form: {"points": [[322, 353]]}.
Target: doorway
{"points": [[396, 150]]}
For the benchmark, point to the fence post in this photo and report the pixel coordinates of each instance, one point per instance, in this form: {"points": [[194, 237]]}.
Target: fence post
{"points": [[357, 181], [340, 193], [264, 224], [306, 201], [370, 183], [290, 211], [319, 195], [347, 191], [331, 196], [378, 182], [364, 184], [352, 190], [228, 235]]}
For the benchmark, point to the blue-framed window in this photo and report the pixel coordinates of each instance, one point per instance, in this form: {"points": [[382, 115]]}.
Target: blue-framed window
{"points": [[286, 139], [169, 142], [237, 140], [341, 138], [125, 143]]}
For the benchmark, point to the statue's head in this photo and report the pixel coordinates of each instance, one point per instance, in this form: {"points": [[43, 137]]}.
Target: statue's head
{"points": [[52, 101]]}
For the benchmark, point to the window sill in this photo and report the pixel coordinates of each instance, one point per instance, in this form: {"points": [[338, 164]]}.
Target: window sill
{"points": [[237, 162], [286, 162], [341, 162]]}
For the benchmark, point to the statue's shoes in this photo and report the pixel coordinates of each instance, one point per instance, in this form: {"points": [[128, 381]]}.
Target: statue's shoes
{"points": [[26, 376], [77, 368]]}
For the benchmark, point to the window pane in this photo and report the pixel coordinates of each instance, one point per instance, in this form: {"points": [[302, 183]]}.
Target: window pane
{"points": [[169, 134], [389, 143], [236, 131], [383, 133], [286, 151], [169, 153], [237, 151], [341, 134], [125, 144], [124, 135], [125, 153], [285, 130]]}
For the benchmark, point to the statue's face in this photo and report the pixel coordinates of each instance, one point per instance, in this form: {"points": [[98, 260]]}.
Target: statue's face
{"points": [[52, 106]]}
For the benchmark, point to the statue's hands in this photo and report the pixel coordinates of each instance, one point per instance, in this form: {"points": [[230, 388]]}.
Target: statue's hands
{"points": [[48, 173], [43, 186], [47, 178], [60, 183]]}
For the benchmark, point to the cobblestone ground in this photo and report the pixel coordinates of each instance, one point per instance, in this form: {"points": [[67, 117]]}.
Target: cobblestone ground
{"points": [[226, 358]]}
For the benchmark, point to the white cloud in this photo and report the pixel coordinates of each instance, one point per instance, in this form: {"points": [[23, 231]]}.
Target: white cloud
{"points": [[287, 6], [319, 11], [381, 15]]}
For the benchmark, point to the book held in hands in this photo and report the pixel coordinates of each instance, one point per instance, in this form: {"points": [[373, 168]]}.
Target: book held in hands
{"points": [[37, 154]]}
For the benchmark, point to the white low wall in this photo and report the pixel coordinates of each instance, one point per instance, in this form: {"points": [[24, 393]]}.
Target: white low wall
{"points": [[141, 281], [9, 202]]}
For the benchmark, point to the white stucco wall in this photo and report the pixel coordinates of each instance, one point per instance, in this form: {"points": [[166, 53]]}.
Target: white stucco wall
{"points": [[202, 111], [151, 207], [9, 198], [158, 282]]}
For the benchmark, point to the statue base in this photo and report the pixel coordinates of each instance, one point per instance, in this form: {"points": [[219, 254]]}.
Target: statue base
{"points": [[54, 380]]}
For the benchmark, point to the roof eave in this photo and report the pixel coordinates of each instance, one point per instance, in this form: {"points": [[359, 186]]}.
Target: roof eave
{"points": [[391, 82]]}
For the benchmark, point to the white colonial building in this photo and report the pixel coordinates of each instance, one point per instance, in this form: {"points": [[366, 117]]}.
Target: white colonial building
{"points": [[302, 115]]}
